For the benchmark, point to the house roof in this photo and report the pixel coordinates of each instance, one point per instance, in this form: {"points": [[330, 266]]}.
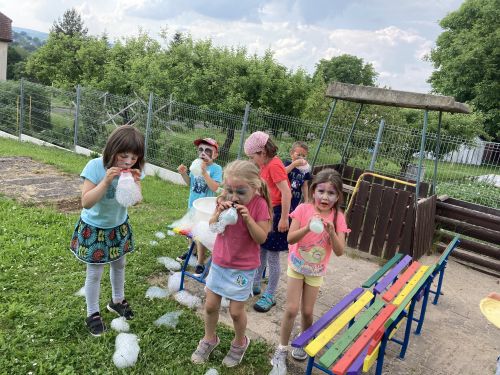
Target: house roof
{"points": [[5, 28]]}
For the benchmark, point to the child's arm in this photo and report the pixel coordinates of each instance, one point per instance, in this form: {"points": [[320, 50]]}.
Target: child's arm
{"points": [[286, 197], [337, 239], [182, 169], [222, 205], [211, 183], [305, 191], [92, 193], [295, 163], [296, 233], [258, 230]]}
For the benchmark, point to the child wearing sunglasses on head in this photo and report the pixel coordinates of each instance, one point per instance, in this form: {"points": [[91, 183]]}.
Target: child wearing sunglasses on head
{"points": [[203, 185]]}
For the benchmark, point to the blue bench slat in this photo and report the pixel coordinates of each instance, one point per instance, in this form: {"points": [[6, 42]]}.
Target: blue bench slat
{"points": [[322, 322], [391, 275]]}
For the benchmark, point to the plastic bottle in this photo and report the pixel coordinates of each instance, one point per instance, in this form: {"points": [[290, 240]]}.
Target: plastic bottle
{"points": [[227, 217]]}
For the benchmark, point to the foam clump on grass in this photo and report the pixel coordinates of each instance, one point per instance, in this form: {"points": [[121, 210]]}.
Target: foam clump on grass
{"points": [[169, 263], [156, 292], [120, 324], [80, 292], [174, 282], [126, 350], [187, 299], [212, 371], [169, 319], [160, 235]]}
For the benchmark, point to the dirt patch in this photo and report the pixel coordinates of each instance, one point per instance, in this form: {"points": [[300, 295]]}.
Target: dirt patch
{"points": [[31, 182]]}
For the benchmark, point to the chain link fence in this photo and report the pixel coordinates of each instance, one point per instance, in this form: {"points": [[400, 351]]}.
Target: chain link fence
{"points": [[467, 169]]}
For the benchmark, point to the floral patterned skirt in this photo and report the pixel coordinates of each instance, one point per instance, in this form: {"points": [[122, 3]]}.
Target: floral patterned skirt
{"points": [[97, 245]]}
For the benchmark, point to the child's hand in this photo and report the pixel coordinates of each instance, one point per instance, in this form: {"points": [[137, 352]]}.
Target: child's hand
{"points": [[203, 167], [329, 227], [283, 225], [111, 173], [223, 205], [300, 162], [182, 169], [243, 211]]}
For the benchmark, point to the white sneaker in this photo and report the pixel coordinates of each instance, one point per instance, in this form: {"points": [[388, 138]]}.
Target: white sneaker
{"points": [[279, 362], [299, 354]]}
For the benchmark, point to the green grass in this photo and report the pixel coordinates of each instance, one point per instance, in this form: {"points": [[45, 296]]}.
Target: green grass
{"points": [[42, 327]]}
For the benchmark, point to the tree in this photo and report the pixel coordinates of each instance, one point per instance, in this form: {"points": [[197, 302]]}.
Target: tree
{"points": [[70, 24], [347, 69], [467, 59]]}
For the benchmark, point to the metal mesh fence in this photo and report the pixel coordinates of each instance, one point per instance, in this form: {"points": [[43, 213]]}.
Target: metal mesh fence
{"points": [[467, 169]]}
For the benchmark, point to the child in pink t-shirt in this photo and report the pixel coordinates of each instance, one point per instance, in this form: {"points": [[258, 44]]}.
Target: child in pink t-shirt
{"points": [[309, 253], [235, 257]]}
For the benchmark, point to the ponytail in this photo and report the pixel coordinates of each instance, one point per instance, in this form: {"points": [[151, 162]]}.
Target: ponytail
{"points": [[264, 193]]}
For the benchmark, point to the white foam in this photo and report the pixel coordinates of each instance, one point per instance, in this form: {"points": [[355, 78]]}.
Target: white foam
{"points": [[160, 235], [187, 299], [153, 243], [120, 324], [170, 263], [201, 231], [174, 282], [212, 371], [169, 319], [126, 350], [156, 292], [225, 302], [81, 292]]}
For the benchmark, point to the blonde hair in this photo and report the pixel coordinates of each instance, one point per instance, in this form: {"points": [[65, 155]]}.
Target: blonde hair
{"points": [[247, 171]]}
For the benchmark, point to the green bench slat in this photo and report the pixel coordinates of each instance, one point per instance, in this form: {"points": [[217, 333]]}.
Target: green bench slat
{"points": [[377, 275], [448, 250], [336, 350], [408, 298]]}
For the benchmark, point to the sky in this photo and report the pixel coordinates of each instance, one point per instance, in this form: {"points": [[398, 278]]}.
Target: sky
{"points": [[393, 35]]}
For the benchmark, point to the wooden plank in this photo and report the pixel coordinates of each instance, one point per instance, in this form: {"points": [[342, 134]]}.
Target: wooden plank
{"points": [[357, 365], [372, 211], [406, 243], [378, 274], [470, 230], [356, 173], [469, 216], [355, 350], [342, 320], [400, 207], [398, 285], [451, 246], [321, 323], [357, 214], [383, 221], [476, 247], [410, 295], [392, 275], [336, 350], [347, 175], [474, 206], [411, 284]]}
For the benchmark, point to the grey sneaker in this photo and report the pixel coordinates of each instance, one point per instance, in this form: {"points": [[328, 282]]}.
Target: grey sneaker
{"points": [[202, 352], [235, 354], [299, 354], [279, 362]]}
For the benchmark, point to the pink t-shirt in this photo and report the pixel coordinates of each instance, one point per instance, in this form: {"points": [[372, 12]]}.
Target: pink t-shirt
{"points": [[274, 172], [235, 247], [311, 254]]}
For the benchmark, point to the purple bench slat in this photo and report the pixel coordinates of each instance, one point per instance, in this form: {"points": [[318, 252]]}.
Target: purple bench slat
{"points": [[357, 365], [391, 275], [311, 332]]}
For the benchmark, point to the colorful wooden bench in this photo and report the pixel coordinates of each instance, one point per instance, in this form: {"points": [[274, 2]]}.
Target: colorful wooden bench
{"points": [[441, 266]]}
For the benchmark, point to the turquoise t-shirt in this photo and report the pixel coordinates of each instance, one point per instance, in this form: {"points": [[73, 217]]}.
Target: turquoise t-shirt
{"points": [[107, 213], [198, 187]]}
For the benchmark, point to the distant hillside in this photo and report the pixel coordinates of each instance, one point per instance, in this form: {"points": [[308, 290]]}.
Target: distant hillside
{"points": [[31, 33]]}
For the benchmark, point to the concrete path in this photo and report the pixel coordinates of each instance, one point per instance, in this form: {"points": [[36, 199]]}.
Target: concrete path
{"points": [[456, 338]]}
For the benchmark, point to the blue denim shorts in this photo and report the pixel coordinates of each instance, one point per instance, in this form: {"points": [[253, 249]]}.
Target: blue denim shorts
{"points": [[231, 283]]}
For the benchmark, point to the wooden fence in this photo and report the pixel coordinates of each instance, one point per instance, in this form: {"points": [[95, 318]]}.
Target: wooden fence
{"points": [[480, 230]]}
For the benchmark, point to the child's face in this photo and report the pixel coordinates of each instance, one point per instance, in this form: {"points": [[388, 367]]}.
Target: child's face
{"points": [[298, 153], [238, 191], [125, 160], [325, 196], [258, 158], [207, 152]]}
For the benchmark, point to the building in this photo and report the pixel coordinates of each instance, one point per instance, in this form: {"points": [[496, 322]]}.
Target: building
{"points": [[5, 39]]}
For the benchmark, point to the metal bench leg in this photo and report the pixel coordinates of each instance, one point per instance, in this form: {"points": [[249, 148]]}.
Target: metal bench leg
{"points": [[440, 283], [185, 264], [423, 308], [409, 320], [310, 363]]}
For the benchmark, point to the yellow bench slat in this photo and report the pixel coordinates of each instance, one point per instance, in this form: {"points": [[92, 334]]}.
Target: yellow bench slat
{"points": [[411, 284], [342, 320]]}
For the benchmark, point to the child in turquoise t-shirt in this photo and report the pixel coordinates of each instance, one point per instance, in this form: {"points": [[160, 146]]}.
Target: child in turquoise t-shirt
{"points": [[203, 185]]}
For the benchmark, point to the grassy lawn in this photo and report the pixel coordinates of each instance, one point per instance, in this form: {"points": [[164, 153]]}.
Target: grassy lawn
{"points": [[42, 327]]}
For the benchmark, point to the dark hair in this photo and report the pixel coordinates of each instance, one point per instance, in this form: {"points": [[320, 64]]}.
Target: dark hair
{"points": [[299, 144], [270, 148], [332, 176], [125, 138]]}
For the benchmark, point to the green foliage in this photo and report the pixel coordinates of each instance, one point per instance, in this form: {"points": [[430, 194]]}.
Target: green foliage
{"points": [[346, 68], [70, 24], [467, 58]]}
